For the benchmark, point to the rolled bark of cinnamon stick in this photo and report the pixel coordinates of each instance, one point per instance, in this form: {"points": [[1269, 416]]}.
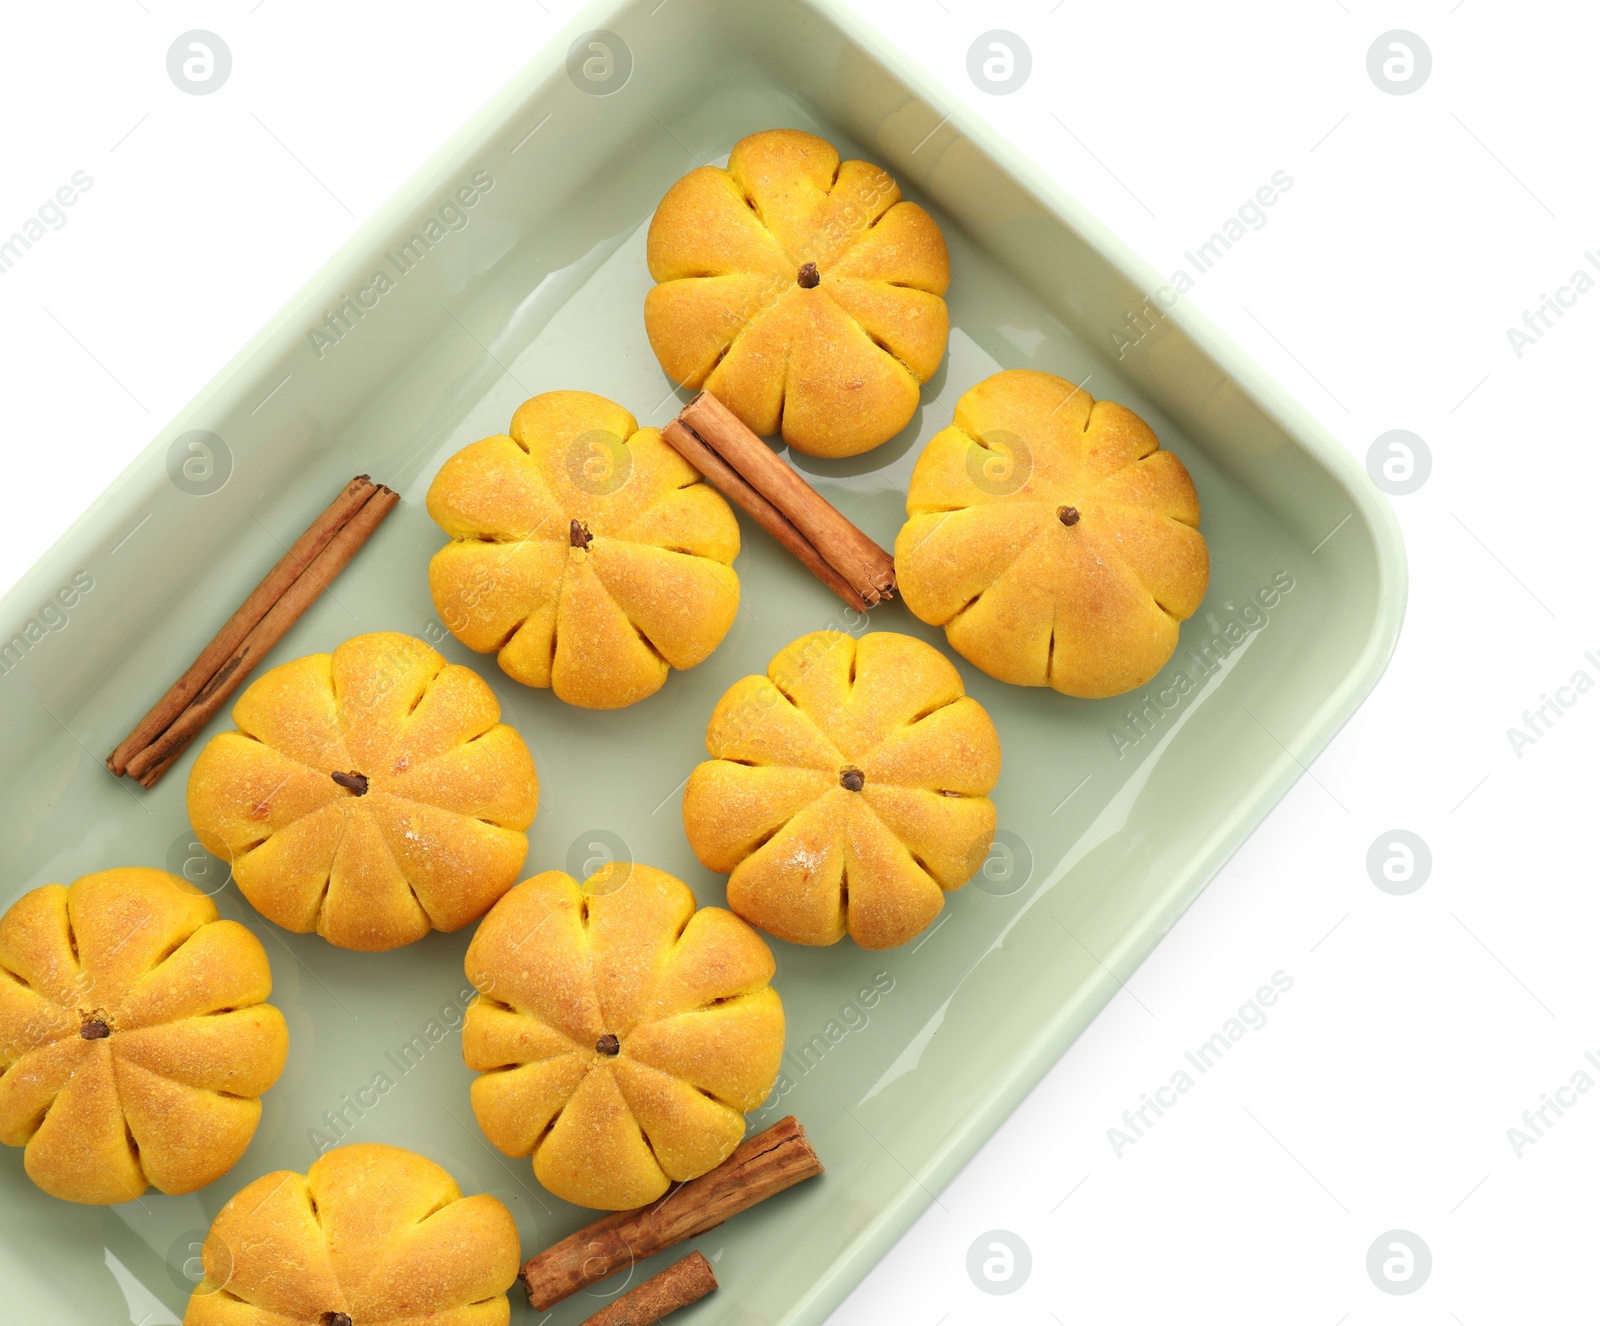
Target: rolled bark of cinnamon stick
{"points": [[682, 1283], [251, 611], [156, 758], [805, 519], [731, 484], [761, 1167]]}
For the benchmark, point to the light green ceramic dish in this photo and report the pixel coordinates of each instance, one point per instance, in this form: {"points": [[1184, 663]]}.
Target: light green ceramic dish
{"points": [[1115, 813]]}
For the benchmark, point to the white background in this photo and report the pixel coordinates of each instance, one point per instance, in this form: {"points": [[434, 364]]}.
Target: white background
{"points": [[1419, 228]]}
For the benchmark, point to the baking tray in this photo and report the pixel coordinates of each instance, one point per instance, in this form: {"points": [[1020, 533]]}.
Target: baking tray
{"points": [[1114, 814]]}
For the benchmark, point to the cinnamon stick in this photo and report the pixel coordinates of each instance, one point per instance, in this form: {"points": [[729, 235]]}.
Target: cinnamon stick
{"points": [[250, 612], [761, 1167], [781, 501], [728, 481], [682, 1283], [161, 753]]}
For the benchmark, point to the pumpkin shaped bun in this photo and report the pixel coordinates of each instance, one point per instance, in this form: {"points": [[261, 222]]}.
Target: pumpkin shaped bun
{"points": [[801, 290], [369, 795], [847, 790], [134, 1036], [369, 1235], [585, 551], [1052, 538], [621, 1035]]}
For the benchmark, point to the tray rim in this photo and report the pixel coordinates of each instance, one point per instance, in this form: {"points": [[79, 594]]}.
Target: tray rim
{"points": [[1055, 1034]]}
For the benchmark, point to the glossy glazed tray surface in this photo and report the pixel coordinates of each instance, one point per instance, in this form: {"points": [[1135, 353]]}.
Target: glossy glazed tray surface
{"points": [[1114, 814]]}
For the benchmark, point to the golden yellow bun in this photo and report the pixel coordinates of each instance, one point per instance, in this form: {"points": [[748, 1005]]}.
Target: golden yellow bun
{"points": [[440, 831], [1052, 538], [698, 1032], [134, 1040], [837, 366], [847, 790], [378, 1234], [652, 589]]}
